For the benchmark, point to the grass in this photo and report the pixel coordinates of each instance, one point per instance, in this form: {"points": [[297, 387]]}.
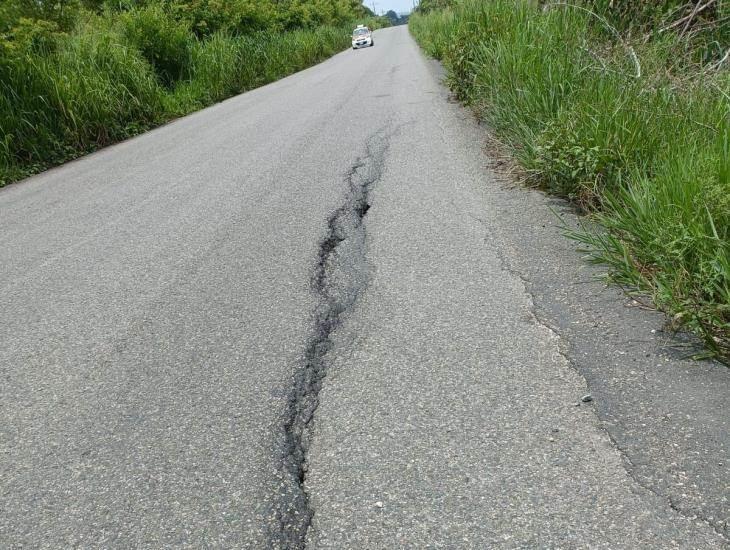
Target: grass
{"points": [[112, 78], [635, 133], [222, 66]]}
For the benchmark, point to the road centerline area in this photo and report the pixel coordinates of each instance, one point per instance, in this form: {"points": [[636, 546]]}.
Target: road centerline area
{"points": [[340, 277]]}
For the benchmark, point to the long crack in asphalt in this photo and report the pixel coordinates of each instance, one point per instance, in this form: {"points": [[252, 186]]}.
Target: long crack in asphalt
{"points": [[341, 275]]}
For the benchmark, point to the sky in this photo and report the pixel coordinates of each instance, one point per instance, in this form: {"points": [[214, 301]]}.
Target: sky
{"points": [[381, 6]]}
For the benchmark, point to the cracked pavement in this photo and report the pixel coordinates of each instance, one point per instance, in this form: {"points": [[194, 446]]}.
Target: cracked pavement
{"points": [[341, 276], [315, 315]]}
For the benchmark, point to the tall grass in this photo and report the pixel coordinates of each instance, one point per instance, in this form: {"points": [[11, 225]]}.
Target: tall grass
{"points": [[223, 65], [90, 91], [634, 133], [115, 77]]}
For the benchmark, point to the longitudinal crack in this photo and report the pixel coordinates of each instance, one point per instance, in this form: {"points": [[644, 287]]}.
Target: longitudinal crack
{"points": [[340, 276]]}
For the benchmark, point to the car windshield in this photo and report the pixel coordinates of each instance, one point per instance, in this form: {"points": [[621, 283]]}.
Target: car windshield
{"points": [[360, 32]]}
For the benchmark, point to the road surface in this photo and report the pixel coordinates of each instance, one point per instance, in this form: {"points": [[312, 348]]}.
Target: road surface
{"points": [[296, 318]]}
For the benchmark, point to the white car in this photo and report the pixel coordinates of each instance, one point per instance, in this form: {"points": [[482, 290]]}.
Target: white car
{"points": [[362, 37]]}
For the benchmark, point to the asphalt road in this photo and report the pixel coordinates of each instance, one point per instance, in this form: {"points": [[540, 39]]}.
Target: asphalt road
{"points": [[309, 315]]}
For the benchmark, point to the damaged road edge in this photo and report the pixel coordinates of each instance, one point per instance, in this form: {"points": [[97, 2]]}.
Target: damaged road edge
{"points": [[340, 277]]}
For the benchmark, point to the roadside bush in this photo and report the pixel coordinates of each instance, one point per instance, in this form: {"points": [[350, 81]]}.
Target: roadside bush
{"points": [[33, 35], [89, 92], [669, 235], [232, 17], [164, 42], [702, 26]]}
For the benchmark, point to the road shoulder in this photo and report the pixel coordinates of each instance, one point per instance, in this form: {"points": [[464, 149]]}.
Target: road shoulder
{"points": [[664, 411]]}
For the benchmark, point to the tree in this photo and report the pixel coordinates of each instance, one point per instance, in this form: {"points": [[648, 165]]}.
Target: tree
{"points": [[394, 19]]}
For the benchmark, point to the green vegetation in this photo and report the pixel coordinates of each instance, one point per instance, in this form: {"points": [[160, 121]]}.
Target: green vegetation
{"points": [[78, 75], [624, 108]]}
